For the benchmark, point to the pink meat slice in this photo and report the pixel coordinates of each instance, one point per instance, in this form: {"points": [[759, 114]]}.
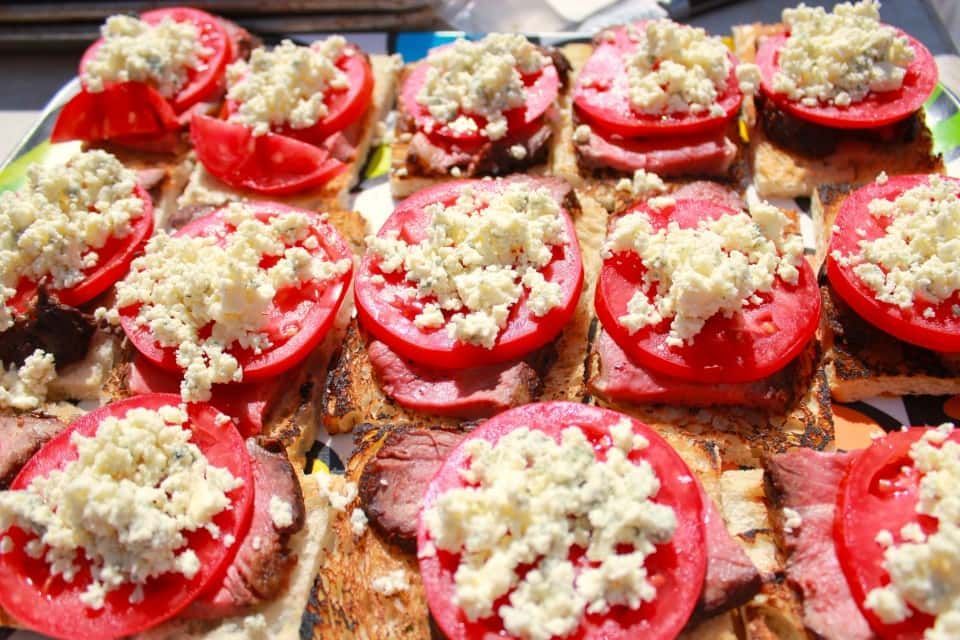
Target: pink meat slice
{"points": [[675, 156], [807, 481]]}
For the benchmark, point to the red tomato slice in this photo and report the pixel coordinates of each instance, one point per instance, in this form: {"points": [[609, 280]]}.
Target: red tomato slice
{"points": [[270, 164], [53, 607], [942, 331], [542, 88], [748, 346], [601, 96], [876, 110], [310, 309], [205, 79], [115, 258], [343, 107], [120, 110], [389, 316], [880, 491], [677, 567]]}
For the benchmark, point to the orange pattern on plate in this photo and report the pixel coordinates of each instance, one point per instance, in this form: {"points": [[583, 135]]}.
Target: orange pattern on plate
{"points": [[852, 429]]}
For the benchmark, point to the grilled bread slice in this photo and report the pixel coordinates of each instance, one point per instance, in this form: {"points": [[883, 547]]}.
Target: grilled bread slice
{"points": [[203, 190], [785, 173]]}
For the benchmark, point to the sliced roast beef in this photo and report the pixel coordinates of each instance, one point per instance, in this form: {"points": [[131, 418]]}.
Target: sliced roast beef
{"points": [[711, 154], [621, 379], [56, 328], [20, 438], [264, 557], [393, 482], [467, 393], [807, 481], [711, 191]]}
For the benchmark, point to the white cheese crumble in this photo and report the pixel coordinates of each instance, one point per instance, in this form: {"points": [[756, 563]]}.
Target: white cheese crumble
{"points": [[281, 512], [134, 51], [581, 135], [791, 520], [918, 258], [188, 286], [6, 545], [25, 388], [748, 78], [391, 584], [838, 58], [479, 255], [642, 184], [358, 522], [925, 570], [719, 266], [51, 227], [136, 488], [676, 69], [286, 85], [479, 78], [529, 499]]}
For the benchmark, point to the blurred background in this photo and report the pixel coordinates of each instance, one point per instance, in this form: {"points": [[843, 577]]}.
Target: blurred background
{"points": [[40, 40]]}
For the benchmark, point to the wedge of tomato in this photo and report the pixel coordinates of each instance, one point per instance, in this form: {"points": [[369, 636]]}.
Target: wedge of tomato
{"points": [[542, 88], [854, 224], [880, 491], [677, 567], [876, 110], [270, 164], [388, 313], [749, 345], [601, 96], [53, 607], [295, 323], [114, 259]]}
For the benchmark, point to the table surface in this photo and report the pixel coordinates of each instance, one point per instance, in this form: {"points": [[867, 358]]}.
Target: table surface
{"points": [[31, 78]]}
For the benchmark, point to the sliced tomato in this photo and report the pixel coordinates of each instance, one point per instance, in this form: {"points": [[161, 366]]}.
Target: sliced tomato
{"points": [[388, 314], [205, 80], [876, 110], [750, 345], [542, 88], [880, 492], [52, 606], [941, 332], [343, 107], [120, 110], [677, 567], [295, 323], [601, 96], [270, 164]]}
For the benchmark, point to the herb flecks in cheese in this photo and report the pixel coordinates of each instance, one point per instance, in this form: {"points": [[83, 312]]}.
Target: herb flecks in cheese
{"points": [[529, 499], [132, 50], [137, 487], [719, 266], [676, 69], [52, 226], [918, 258], [925, 570], [479, 78], [188, 285], [24, 388], [287, 85], [479, 256], [841, 57]]}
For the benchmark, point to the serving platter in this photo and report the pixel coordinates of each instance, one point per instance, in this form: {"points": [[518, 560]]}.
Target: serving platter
{"points": [[854, 423]]}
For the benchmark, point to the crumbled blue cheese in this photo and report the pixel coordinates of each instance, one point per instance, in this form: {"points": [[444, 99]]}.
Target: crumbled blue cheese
{"points": [[676, 69], [137, 487], [719, 266], [479, 256], [25, 388], [286, 85], [529, 499], [642, 185], [51, 227], [791, 520], [391, 584], [479, 78], [358, 522], [281, 512], [840, 57], [581, 135], [918, 258], [925, 570], [162, 54], [189, 285]]}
